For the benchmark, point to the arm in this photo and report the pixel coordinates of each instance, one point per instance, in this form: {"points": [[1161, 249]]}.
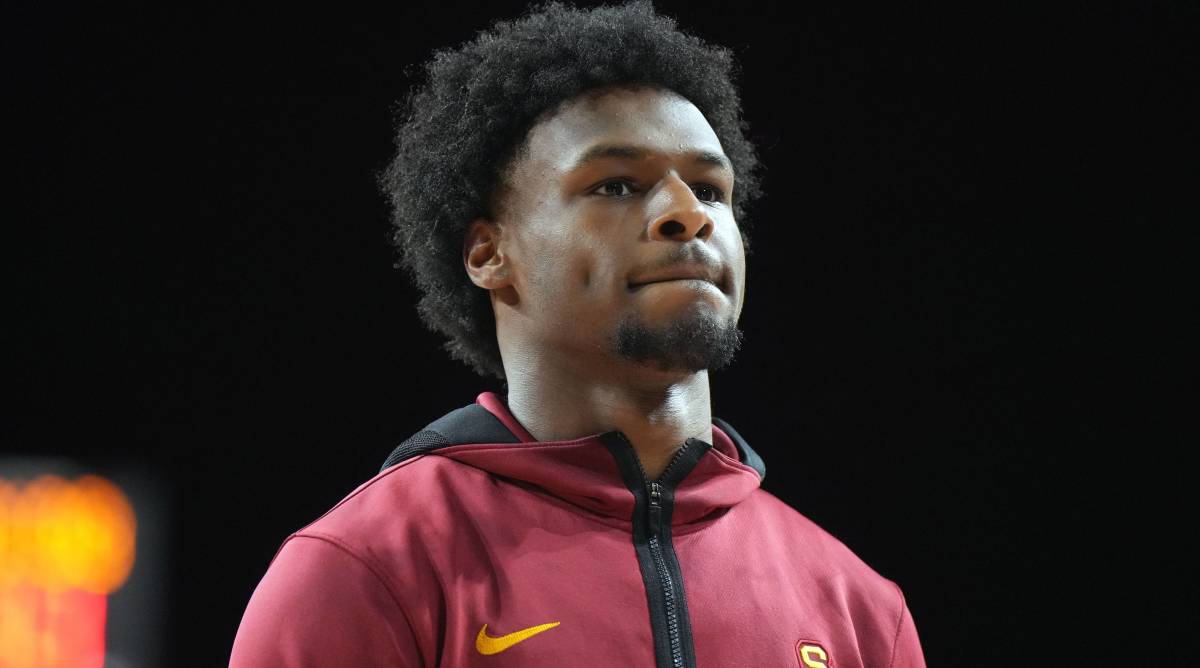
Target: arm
{"points": [[906, 648], [320, 605]]}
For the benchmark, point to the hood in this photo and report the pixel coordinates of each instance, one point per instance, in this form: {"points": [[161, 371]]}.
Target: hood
{"points": [[598, 472]]}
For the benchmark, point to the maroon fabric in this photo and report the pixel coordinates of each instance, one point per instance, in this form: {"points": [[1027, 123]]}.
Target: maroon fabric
{"points": [[407, 569]]}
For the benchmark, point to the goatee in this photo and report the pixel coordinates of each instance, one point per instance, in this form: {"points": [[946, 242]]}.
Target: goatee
{"points": [[688, 344]]}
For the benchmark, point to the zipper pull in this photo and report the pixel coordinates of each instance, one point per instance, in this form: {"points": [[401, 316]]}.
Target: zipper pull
{"points": [[655, 508]]}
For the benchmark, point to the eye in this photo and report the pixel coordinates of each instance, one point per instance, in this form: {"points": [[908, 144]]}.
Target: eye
{"points": [[707, 193], [615, 188]]}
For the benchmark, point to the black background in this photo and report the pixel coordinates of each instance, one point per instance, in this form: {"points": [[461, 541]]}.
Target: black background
{"points": [[949, 276]]}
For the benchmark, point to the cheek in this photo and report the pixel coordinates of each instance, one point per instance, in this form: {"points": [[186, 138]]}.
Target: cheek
{"points": [[737, 262], [593, 266], [563, 269]]}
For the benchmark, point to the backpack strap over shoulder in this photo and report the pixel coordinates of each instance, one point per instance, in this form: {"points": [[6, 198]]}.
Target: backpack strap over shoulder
{"points": [[469, 424]]}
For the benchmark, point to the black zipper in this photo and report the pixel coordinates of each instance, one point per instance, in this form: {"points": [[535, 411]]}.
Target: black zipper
{"points": [[670, 623], [668, 585]]}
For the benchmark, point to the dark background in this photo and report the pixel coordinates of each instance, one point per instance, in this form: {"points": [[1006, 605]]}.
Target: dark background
{"points": [[960, 247]]}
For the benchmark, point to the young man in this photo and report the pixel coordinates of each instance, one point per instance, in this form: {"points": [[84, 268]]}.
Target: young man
{"points": [[566, 193]]}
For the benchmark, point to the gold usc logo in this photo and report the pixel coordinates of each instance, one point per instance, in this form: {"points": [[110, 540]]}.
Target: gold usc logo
{"points": [[812, 655]]}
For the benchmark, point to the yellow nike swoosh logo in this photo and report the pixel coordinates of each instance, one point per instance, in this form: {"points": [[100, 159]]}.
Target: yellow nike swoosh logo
{"points": [[489, 645]]}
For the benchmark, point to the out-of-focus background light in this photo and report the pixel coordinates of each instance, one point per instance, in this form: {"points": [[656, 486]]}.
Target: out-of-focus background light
{"points": [[66, 545]]}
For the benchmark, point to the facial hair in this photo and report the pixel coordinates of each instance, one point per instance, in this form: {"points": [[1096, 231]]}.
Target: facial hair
{"points": [[699, 342]]}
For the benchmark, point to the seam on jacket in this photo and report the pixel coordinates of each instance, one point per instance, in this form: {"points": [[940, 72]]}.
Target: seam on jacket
{"points": [[536, 445], [728, 462], [721, 458], [530, 488], [374, 571], [362, 488], [689, 528], [899, 623]]}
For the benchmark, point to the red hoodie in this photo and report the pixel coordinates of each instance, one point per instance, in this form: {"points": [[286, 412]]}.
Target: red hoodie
{"points": [[478, 545]]}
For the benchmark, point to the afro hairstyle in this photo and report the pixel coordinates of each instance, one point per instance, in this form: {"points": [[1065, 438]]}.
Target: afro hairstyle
{"points": [[458, 131]]}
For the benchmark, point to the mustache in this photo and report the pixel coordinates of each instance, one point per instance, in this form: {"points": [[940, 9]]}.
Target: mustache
{"points": [[687, 254]]}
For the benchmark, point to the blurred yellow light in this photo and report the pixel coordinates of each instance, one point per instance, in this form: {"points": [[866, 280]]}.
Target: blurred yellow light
{"points": [[59, 535]]}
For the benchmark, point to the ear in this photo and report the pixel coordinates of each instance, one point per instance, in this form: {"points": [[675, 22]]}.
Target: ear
{"points": [[486, 264]]}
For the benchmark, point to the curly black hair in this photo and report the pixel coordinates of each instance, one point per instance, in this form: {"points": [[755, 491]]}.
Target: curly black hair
{"points": [[457, 133]]}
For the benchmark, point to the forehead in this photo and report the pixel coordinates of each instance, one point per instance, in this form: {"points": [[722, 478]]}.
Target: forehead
{"points": [[655, 120]]}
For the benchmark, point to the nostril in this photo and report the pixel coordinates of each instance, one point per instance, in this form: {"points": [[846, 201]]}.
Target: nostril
{"points": [[671, 228]]}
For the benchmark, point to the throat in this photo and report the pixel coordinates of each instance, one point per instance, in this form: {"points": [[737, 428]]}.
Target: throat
{"points": [[655, 423]]}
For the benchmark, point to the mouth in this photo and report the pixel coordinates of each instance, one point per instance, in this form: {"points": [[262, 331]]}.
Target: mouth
{"points": [[634, 287], [699, 274]]}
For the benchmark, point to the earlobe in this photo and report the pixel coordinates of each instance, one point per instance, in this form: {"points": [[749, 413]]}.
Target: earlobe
{"points": [[483, 257]]}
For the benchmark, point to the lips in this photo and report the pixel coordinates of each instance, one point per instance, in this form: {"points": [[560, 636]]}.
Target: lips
{"points": [[706, 273]]}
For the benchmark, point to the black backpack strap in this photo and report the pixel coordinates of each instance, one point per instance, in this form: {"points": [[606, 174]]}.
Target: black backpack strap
{"points": [[747, 454], [469, 424]]}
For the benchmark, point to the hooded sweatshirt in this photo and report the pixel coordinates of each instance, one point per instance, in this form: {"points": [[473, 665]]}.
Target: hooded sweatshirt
{"points": [[478, 545]]}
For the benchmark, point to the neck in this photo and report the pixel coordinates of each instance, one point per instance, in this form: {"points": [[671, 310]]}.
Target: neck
{"points": [[560, 398]]}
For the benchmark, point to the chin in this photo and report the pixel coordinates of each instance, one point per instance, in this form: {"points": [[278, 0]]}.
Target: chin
{"points": [[695, 341]]}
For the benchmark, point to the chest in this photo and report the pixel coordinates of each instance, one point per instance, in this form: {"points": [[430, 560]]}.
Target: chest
{"points": [[559, 592]]}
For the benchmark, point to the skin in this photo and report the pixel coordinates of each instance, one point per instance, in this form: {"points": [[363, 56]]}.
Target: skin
{"points": [[575, 227]]}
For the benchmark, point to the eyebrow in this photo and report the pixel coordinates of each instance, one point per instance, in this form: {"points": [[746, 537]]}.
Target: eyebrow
{"points": [[626, 152]]}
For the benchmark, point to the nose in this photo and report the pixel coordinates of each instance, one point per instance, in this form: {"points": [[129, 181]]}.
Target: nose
{"points": [[681, 216]]}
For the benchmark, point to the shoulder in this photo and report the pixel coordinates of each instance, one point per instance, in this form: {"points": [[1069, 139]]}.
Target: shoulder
{"points": [[824, 555], [390, 505], [377, 539], [873, 604], [416, 489], [321, 603]]}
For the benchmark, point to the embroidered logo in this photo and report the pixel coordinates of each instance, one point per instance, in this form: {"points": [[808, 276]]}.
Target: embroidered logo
{"points": [[492, 645], [812, 655]]}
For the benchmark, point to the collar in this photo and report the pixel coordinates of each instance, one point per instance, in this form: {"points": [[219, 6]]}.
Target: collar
{"points": [[598, 472]]}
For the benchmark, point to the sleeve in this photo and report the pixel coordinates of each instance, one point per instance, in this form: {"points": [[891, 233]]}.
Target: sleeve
{"points": [[906, 648], [320, 605]]}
